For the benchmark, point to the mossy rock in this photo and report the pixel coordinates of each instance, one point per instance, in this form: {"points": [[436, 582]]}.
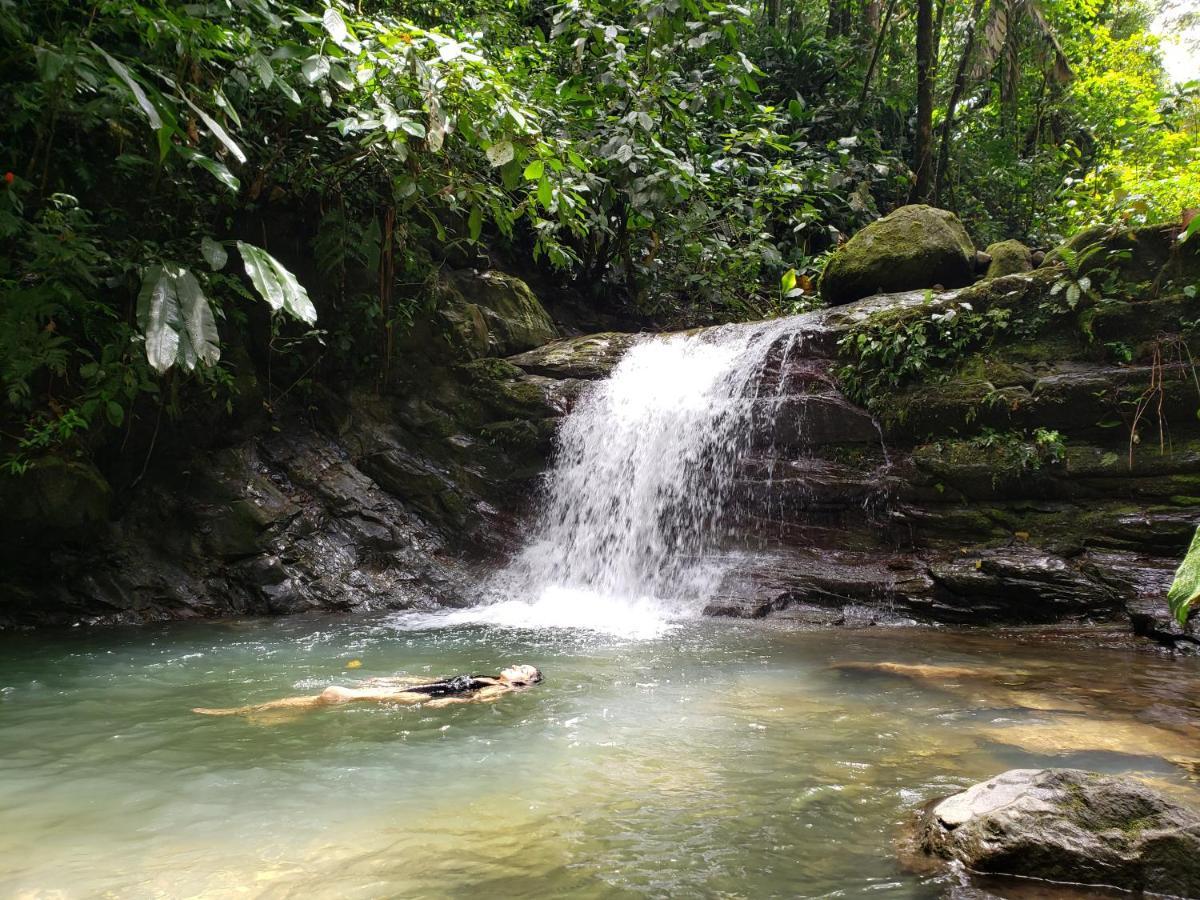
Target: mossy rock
{"points": [[1069, 826], [55, 498], [1151, 253], [914, 247], [1008, 258], [491, 314], [592, 356], [1137, 323]]}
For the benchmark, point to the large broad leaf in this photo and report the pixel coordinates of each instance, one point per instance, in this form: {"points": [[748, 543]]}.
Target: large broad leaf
{"points": [[1185, 589], [277, 285], [176, 319], [159, 318], [218, 132], [500, 153], [139, 95], [200, 327], [335, 25]]}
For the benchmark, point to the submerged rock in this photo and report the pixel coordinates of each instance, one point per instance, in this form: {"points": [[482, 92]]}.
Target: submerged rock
{"points": [[913, 247], [1067, 825], [1091, 734]]}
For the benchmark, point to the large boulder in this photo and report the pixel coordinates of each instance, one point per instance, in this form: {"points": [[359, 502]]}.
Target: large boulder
{"points": [[1008, 258], [490, 313], [1067, 825], [914, 247]]}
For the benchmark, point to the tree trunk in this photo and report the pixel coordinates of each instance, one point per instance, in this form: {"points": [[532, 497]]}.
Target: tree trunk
{"points": [[960, 85], [879, 38], [839, 18], [772, 8], [922, 149]]}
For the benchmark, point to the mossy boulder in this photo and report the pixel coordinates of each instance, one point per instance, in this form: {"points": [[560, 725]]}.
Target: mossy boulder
{"points": [[491, 314], [56, 498], [1065, 825], [1008, 258], [914, 247]]}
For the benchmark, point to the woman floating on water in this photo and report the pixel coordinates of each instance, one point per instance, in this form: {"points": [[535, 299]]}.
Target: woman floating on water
{"points": [[443, 692]]}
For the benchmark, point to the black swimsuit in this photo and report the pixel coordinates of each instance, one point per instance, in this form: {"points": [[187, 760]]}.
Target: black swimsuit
{"points": [[459, 684]]}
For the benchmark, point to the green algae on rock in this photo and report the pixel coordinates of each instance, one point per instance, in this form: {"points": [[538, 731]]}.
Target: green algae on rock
{"points": [[1008, 258], [914, 247], [1066, 825]]}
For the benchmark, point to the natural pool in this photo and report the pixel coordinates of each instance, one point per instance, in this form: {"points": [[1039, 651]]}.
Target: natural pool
{"points": [[716, 758]]}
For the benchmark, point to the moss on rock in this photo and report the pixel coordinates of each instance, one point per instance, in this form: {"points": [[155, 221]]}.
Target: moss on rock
{"points": [[1008, 258], [491, 314], [911, 248]]}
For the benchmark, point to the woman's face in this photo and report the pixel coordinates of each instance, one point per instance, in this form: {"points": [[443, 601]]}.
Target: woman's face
{"points": [[521, 675]]}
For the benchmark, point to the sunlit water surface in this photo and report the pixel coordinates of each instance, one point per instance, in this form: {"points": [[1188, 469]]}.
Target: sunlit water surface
{"points": [[714, 759]]}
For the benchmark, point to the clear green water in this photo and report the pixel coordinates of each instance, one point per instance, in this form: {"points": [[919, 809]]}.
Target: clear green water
{"points": [[718, 759]]}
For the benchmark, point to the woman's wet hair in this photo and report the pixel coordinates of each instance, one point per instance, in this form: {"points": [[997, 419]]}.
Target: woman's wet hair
{"points": [[528, 674]]}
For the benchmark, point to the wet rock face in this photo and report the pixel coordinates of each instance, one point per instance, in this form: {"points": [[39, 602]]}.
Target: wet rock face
{"points": [[362, 499], [1067, 825], [913, 247], [57, 495], [490, 313]]}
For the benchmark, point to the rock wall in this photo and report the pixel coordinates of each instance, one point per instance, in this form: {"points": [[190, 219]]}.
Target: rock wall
{"points": [[1001, 485], [1023, 481], [354, 499]]}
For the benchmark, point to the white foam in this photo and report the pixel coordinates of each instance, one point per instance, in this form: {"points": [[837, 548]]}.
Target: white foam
{"points": [[557, 607]]}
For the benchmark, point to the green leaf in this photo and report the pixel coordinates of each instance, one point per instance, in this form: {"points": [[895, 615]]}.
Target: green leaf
{"points": [[288, 91], [416, 129], [176, 319], [534, 171], [1192, 229], [500, 153], [475, 222], [203, 343], [159, 318], [218, 132], [335, 25], [545, 193], [276, 284], [218, 169], [315, 68], [115, 412], [1185, 589], [263, 67], [139, 95], [214, 253]]}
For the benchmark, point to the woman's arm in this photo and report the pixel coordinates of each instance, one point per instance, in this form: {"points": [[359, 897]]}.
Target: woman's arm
{"points": [[486, 695]]}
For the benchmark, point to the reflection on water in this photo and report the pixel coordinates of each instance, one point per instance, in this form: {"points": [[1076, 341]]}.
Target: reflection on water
{"points": [[731, 760]]}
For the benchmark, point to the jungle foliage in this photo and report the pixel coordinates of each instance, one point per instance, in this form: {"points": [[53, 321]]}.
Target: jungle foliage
{"points": [[191, 189]]}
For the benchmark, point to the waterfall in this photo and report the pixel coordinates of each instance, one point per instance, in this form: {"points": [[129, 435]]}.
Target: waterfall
{"points": [[639, 490]]}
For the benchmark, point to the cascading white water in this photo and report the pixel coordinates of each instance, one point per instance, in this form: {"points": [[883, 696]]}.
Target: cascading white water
{"points": [[636, 495]]}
